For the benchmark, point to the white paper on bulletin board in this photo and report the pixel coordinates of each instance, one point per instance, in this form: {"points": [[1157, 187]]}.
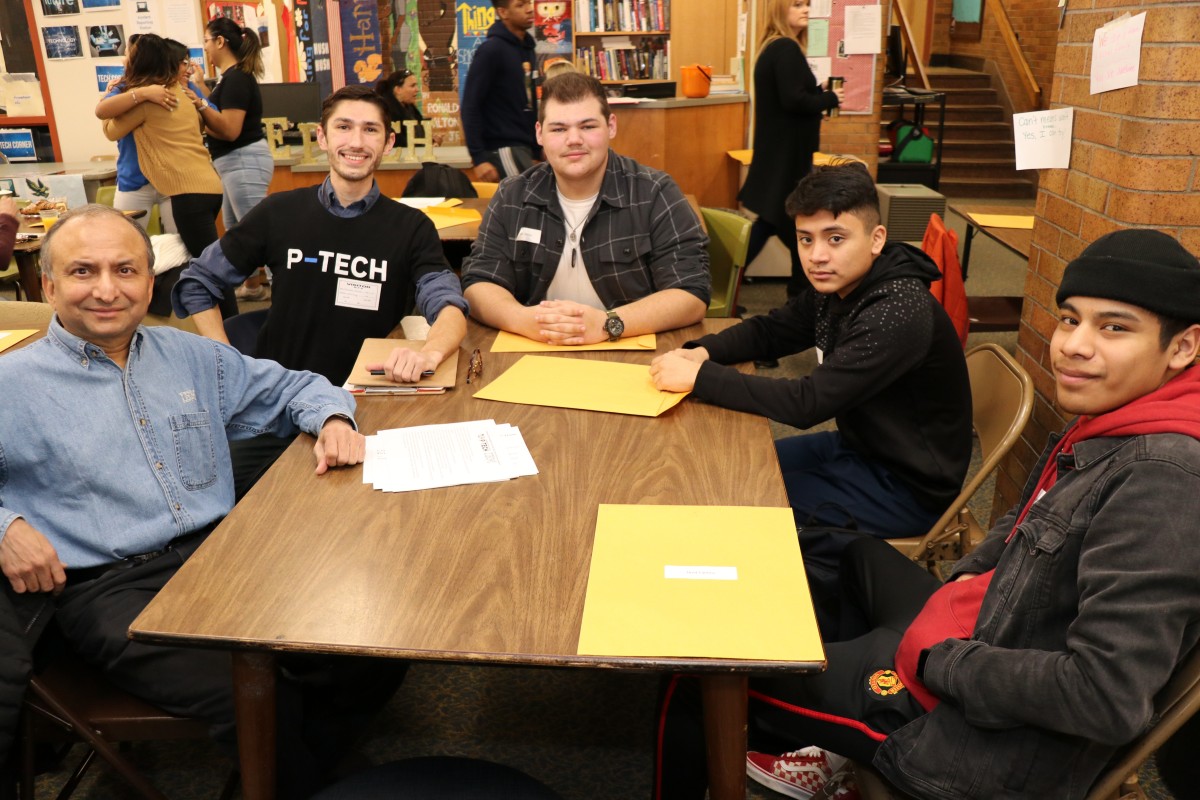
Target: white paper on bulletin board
{"points": [[1043, 138], [858, 70], [1117, 53], [820, 9], [820, 68]]}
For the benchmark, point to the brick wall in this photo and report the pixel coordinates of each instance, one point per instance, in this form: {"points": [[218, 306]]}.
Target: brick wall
{"points": [[856, 134], [1036, 25], [1134, 163]]}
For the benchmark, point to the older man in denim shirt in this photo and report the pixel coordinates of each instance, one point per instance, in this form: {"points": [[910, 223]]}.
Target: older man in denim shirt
{"points": [[114, 465]]}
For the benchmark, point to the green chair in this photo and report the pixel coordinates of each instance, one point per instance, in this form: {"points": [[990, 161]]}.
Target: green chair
{"points": [[106, 194], [728, 238], [154, 224]]}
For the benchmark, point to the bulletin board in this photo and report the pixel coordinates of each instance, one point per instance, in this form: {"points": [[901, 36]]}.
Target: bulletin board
{"points": [[826, 35]]}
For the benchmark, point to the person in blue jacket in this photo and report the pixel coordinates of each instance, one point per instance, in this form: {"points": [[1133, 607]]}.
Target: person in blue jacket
{"points": [[499, 106]]}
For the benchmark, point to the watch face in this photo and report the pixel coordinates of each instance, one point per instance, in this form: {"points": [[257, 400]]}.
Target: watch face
{"points": [[614, 326]]}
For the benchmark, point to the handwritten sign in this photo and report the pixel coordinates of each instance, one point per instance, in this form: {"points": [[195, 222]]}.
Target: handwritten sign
{"points": [[1117, 53], [1043, 138]]}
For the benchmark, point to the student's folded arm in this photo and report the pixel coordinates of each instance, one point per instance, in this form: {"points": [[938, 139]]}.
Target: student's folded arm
{"points": [[495, 306], [1123, 645], [664, 310], [679, 251]]}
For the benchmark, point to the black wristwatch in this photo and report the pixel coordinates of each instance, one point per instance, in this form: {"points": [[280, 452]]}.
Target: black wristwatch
{"points": [[613, 326]]}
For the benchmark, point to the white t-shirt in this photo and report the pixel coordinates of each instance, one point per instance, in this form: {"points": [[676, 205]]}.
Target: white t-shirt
{"points": [[571, 281]]}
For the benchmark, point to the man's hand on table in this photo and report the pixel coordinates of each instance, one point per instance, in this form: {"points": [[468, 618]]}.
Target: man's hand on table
{"points": [[338, 445], [29, 561], [567, 323], [676, 371], [408, 366]]}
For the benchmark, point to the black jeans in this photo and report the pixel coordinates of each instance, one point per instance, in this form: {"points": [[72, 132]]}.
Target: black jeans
{"points": [[760, 232], [196, 220]]}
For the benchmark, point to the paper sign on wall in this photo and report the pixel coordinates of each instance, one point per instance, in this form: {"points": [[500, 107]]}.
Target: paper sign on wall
{"points": [[818, 38], [863, 24], [1043, 138], [1117, 53], [821, 68]]}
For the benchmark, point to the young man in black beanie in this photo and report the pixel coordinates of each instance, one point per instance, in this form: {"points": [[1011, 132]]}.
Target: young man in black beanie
{"points": [[1042, 654]]}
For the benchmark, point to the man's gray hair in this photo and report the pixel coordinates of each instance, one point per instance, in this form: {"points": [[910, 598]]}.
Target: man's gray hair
{"points": [[87, 212]]}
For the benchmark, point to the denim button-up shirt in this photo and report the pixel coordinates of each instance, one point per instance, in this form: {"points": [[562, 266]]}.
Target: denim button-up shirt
{"points": [[108, 463]]}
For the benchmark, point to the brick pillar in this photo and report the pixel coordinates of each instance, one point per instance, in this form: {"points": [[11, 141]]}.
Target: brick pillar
{"points": [[857, 134], [1134, 164]]}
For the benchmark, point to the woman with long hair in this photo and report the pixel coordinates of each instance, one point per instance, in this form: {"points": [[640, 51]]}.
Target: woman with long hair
{"points": [[399, 93], [171, 153], [134, 192], [233, 127], [788, 103]]}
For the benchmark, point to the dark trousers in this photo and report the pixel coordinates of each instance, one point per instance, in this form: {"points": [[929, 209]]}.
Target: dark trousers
{"points": [[252, 458], [323, 702], [196, 220], [826, 479], [881, 592], [760, 232]]}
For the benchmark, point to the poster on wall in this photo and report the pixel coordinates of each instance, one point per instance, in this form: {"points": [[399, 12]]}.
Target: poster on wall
{"points": [[474, 19], [16, 144], [62, 42], [106, 40], [101, 5], [142, 17], [57, 8], [362, 48], [318, 67], [857, 69], [106, 74], [552, 31]]}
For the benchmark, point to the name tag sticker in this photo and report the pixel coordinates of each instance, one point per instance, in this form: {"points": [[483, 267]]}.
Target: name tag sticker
{"points": [[358, 294], [700, 573], [529, 235]]}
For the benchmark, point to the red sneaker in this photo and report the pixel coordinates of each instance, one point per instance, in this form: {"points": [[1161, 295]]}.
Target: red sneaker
{"points": [[799, 774]]}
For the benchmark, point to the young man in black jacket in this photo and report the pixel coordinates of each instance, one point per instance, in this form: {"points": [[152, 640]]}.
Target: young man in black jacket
{"points": [[499, 106], [892, 374]]}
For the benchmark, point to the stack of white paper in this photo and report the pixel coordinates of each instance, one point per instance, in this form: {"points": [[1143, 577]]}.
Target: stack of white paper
{"points": [[430, 456]]}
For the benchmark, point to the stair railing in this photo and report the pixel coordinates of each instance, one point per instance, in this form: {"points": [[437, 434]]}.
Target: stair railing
{"points": [[1028, 82], [910, 46]]}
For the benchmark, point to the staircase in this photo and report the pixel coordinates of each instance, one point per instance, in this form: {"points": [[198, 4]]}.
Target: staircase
{"points": [[977, 155]]}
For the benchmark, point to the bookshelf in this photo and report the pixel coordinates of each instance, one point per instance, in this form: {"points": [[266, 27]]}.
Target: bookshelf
{"points": [[623, 41]]}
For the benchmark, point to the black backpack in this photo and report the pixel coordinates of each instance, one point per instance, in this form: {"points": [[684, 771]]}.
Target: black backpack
{"points": [[439, 180]]}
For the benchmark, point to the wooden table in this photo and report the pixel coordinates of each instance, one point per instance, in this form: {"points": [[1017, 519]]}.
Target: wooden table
{"points": [[989, 313], [1015, 239], [491, 573]]}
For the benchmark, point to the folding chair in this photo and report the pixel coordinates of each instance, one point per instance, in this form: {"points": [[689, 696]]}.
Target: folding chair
{"points": [[728, 239], [1001, 402], [70, 697]]}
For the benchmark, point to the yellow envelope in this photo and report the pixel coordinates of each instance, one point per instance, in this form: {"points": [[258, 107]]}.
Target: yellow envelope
{"points": [[449, 202], [515, 343], [698, 581], [449, 217], [581, 383], [9, 338], [1019, 221]]}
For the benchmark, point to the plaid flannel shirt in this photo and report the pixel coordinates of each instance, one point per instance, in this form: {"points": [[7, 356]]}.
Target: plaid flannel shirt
{"points": [[640, 237]]}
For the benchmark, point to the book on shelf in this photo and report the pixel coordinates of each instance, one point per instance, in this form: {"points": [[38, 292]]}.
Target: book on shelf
{"points": [[600, 16]]}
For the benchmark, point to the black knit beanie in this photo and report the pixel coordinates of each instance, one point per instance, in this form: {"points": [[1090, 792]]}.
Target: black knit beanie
{"points": [[1141, 267]]}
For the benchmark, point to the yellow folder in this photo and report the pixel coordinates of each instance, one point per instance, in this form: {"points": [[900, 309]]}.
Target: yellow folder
{"points": [[1018, 221], [698, 581], [449, 217], [9, 338], [515, 343], [581, 383]]}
